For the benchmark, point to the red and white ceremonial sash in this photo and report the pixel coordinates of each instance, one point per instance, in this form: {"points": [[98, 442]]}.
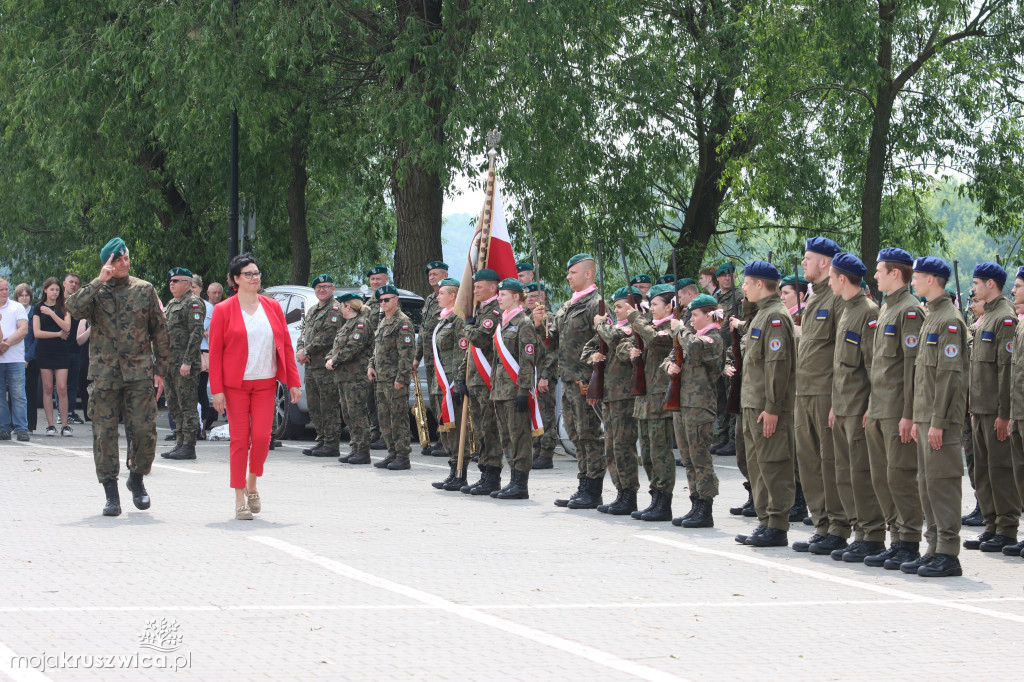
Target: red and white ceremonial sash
{"points": [[512, 367], [447, 404], [482, 366]]}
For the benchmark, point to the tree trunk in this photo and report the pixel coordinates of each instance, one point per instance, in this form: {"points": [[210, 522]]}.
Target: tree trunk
{"points": [[874, 179], [701, 220], [297, 213], [418, 203]]}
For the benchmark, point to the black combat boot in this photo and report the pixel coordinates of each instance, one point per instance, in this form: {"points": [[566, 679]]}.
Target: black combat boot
{"points": [[1014, 550], [857, 552], [799, 509], [702, 517], [738, 511], [913, 565], [358, 458], [184, 452], [805, 545], [975, 543], [457, 482], [518, 489], [603, 508], [678, 521], [326, 450], [543, 463], [451, 475], [591, 497], [828, 544], [907, 552], [975, 518], [139, 495], [771, 537], [626, 506], [113, 505], [564, 502], [661, 511], [997, 543], [490, 481], [379, 444], [727, 450], [309, 451], [383, 464], [879, 559], [400, 464], [172, 451], [742, 539], [654, 500], [942, 566]]}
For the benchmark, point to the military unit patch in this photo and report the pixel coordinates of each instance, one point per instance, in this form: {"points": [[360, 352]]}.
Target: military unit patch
{"points": [[755, 334], [407, 339], [197, 316], [334, 318], [911, 341], [951, 350], [488, 324], [463, 344], [1009, 346], [775, 344], [529, 349], [356, 336]]}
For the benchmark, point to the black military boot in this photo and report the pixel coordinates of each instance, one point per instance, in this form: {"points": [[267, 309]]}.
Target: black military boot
{"points": [[678, 521], [879, 559], [742, 538], [139, 495], [603, 508], [907, 552], [771, 537], [913, 565], [564, 502], [358, 458], [702, 517], [379, 444], [543, 463], [738, 511], [469, 486], [489, 482], [661, 511], [591, 496], [326, 450], [975, 543], [799, 509], [1014, 550], [451, 475], [805, 545], [857, 552], [383, 464], [184, 452], [727, 450], [518, 489], [626, 506], [309, 451], [997, 543], [975, 518], [174, 450], [400, 464], [828, 544], [942, 566], [113, 505], [654, 501], [457, 482]]}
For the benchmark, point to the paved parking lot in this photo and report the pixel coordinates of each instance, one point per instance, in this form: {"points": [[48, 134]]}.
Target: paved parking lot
{"points": [[353, 573]]}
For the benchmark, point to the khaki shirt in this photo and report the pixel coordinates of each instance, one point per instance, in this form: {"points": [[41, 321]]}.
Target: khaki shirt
{"points": [[940, 387], [185, 317], [1017, 378], [897, 338], [817, 341], [769, 359], [991, 359], [851, 364]]}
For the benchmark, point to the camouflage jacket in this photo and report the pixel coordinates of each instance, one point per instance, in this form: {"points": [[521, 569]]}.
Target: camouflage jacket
{"points": [[429, 317], [547, 355], [319, 328], [185, 329], [394, 350], [520, 338], [351, 349], [373, 314], [480, 334], [702, 365], [129, 332], [618, 367], [451, 351], [574, 326], [657, 346]]}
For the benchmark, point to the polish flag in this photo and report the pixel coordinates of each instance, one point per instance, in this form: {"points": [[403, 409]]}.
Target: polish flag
{"points": [[500, 257]]}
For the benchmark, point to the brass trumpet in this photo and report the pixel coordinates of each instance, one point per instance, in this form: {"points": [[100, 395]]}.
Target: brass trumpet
{"points": [[419, 411]]}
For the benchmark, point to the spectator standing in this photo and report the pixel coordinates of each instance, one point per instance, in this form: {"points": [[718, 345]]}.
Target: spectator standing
{"points": [[71, 283], [13, 330], [207, 412], [23, 295], [51, 324]]}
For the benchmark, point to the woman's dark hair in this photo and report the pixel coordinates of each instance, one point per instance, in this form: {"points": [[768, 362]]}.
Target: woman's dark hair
{"points": [[59, 305], [235, 268], [666, 298]]}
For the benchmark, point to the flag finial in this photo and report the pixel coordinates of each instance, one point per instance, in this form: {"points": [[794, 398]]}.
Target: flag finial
{"points": [[493, 140]]}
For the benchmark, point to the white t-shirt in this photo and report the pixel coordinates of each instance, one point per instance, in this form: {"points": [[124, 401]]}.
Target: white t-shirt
{"points": [[262, 360], [205, 345], [11, 313]]}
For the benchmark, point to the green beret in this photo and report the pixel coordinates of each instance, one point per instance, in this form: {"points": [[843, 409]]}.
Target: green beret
{"points": [[626, 292], [702, 301], [725, 269], [791, 280], [377, 270], [864, 284], [578, 258], [448, 282], [640, 279], [486, 275], [666, 279], [177, 272], [520, 267], [511, 284], [659, 289], [385, 290], [349, 296], [115, 247], [535, 286], [435, 265], [684, 282], [322, 279]]}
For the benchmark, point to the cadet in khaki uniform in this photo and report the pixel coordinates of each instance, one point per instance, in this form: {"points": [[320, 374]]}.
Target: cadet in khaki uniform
{"points": [[703, 353], [815, 452], [319, 328], [128, 359], [185, 313], [940, 401], [620, 427], [1017, 403], [429, 317], [574, 327], [448, 346], [649, 409], [989, 403], [377, 276], [514, 388], [891, 450], [394, 351], [729, 301], [479, 332], [547, 377], [350, 353], [851, 387], [767, 399]]}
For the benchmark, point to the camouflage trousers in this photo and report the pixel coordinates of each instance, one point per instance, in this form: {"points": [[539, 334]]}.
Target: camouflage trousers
{"points": [[182, 395], [485, 426], [694, 429], [353, 397], [393, 416], [544, 444], [620, 434], [136, 400], [726, 422], [322, 400], [584, 429], [660, 464], [448, 434], [514, 429]]}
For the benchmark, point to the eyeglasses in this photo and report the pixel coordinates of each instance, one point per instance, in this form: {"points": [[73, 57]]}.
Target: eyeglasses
{"points": [[387, 299], [322, 287], [251, 275], [178, 279]]}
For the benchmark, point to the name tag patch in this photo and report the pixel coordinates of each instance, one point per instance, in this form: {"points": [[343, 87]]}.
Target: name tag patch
{"points": [[890, 330]]}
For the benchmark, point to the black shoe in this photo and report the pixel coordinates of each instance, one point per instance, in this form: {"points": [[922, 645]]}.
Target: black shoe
{"points": [[975, 518], [830, 544], [718, 446], [640, 512], [564, 502], [878, 560], [518, 489], [325, 451], [74, 419], [139, 495], [738, 511], [170, 436], [429, 450], [798, 511], [661, 511], [626, 506], [378, 444], [997, 543], [5, 435], [907, 553], [22, 436], [543, 463], [113, 505], [808, 521], [490, 480], [1014, 550], [805, 545], [856, 553], [911, 567], [742, 539], [727, 450], [592, 494], [456, 483], [603, 508], [399, 464], [451, 474], [469, 486], [976, 542], [702, 517], [771, 537], [678, 521], [383, 464], [358, 458], [274, 444], [309, 451], [184, 452], [174, 450], [942, 566]]}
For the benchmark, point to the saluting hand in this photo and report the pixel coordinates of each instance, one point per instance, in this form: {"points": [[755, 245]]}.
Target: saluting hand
{"points": [[107, 271]]}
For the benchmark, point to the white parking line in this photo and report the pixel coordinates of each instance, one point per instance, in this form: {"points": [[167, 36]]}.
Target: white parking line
{"points": [[848, 582], [79, 453], [540, 637], [7, 658]]}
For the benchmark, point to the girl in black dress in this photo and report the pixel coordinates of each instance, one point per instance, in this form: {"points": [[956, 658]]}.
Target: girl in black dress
{"points": [[51, 324]]}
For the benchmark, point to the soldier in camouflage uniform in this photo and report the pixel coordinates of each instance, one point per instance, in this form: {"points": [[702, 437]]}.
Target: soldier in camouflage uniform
{"points": [[394, 351], [694, 422], [729, 301], [185, 313], [319, 328], [525, 273], [547, 378], [620, 427], [429, 317], [129, 357], [347, 360], [447, 370], [377, 276]]}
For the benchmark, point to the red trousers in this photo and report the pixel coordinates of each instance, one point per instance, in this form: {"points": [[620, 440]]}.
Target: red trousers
{"points": [[250, 420]]}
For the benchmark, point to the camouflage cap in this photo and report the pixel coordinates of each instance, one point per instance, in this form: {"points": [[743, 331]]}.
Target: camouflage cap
{"points": [[510, 284], [176, 272], [115, 247], [384, 291], [321, 279], [578, 258], [435, 265], [703, 301]]}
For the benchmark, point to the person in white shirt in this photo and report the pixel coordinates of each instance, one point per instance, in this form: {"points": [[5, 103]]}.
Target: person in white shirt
{"points": [[13, 329]]}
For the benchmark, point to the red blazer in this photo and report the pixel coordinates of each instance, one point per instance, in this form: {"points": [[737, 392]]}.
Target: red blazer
{"points": [[229, 348]]}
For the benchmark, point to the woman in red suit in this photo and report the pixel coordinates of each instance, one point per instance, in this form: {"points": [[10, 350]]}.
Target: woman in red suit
{"points": [[250, 351]]}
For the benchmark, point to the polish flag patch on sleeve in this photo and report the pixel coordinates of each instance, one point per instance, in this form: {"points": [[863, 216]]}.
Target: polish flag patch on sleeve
{"points": [[1007, 322], [872, 324], [953, 329], [911, 314], [776, 323]]}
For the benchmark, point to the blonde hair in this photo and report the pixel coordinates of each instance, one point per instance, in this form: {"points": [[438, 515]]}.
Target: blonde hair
{"points": [[355, 304]]}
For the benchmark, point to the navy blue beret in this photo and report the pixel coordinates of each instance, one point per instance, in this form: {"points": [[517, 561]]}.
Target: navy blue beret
{"points": [[822, 245], [849, 264], [990, 271], [895, 255], [762, 269], [932, 265], [1020, 272]]}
